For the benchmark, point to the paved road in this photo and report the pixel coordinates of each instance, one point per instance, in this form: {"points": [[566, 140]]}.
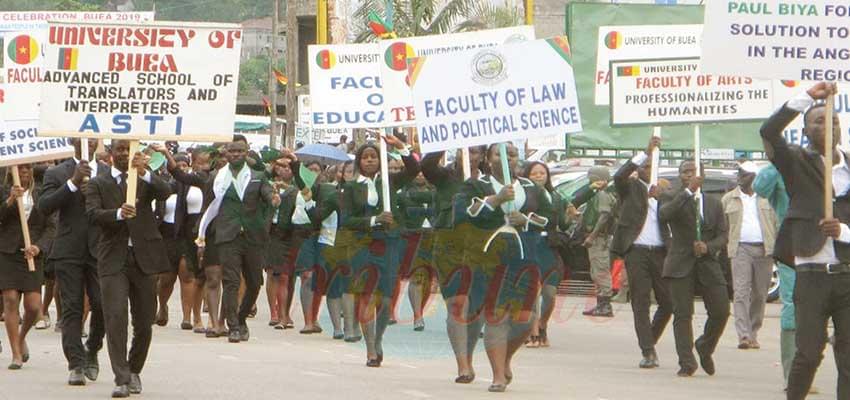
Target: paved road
{"points": [[590, 359]]}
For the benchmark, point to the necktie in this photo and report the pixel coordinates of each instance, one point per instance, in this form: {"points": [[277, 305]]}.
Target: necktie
{"points": [[697, 200], [123, 183]]}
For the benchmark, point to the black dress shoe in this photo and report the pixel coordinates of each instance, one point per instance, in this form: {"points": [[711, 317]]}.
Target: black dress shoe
{"points": [[373, 363], [135, 385], [650, 360], [76, 378], [244, 334], [234, 336], [686, 372], [120, 392], [706, 362], [92, 368]]}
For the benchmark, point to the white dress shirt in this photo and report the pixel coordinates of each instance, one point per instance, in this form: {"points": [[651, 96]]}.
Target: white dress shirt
{"points": [[650, 234], [170, 208], [29, 204], [750, 224], [93, 164], [116, 174], [194, 200]]}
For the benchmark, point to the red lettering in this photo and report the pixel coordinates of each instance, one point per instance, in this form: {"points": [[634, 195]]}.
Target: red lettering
{"points": [[119, 62]]}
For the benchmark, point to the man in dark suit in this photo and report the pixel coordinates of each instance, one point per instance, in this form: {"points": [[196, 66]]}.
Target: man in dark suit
{"points": [[642, 241], [242, 205], [74, 256], [130, 253], [818, 247], [699, 230]]}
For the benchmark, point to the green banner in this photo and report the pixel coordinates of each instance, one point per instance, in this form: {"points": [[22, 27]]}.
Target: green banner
{"points": [[582, 26]]}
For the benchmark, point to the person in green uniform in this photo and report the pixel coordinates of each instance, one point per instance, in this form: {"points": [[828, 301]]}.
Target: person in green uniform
{"points": [[415, 203], [278, 270], [597, 224], [514, 211], [338, 256], [375, 236], [551, 265], [455, 246]]}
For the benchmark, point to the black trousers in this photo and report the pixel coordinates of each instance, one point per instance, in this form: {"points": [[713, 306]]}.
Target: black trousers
{"points": [[708, 275], [240, 259], [140, 289], [643, 267], [817, 297], [77, 279]]}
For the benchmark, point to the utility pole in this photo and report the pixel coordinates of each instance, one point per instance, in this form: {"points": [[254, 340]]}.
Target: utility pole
{"points": [[273, 130], [292, 71]]}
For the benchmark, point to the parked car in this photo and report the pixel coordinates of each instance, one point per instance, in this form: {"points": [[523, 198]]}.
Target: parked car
{"points": [[574, 183]]}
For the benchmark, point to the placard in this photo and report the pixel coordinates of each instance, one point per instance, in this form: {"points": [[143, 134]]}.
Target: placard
{"points": [[491, 95], [307, 133], [398, 101], [802, 40], [345, 86], [675, 91], [640, 42], [155, 81], [20, 144]]}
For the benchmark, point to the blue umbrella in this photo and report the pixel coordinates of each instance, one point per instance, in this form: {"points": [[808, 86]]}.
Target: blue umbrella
{"points": [[323, 153]]}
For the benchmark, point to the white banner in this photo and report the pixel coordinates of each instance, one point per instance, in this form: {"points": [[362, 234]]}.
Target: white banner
{"points": [[675, 91], [491, 95], [641, 42], [398, 101], [307, 133], [803, 40], [20, 144], [345, 86], [153, 81]]}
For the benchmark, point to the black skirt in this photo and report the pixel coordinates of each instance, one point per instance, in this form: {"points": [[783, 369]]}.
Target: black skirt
{"points": [[15, 275]]}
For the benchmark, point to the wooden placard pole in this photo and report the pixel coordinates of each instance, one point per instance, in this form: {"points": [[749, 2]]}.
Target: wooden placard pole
{"points": [[467, 166], [827, 154], [385, 172], [16, 180], [132, 174], [656, 158]]}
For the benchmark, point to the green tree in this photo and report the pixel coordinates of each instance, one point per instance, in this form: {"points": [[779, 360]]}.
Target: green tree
{"points": [[486, 15], [254, 75], [415, 17]]}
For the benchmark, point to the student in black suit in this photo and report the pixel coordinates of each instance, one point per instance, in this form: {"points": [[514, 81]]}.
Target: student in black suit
{"points": [[643, 241], [699, 235], [818, 248], [74, 256], [243, 200], [130, 254], [16, 280]]}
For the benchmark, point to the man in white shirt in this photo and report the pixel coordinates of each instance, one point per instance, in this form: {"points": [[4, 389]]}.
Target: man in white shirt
{"points": [[752, 233], [643, 241], [817, 245]]}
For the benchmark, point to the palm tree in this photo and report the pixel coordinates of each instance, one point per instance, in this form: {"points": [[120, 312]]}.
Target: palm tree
{"points": [[414, 17], [486, 15]]}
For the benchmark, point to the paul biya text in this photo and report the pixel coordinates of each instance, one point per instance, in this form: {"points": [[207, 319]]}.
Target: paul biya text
{"points": [[17, 142]]}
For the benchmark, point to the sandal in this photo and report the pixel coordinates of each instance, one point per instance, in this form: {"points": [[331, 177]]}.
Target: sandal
{"points": [[533, 342], [497, 388], [465, 379]]}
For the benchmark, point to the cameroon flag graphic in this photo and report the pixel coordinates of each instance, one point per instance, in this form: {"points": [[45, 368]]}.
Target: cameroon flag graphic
{"points": [[23, 49], [326, 59], [790, 84], [397, 54], [628, 71], [68, 58], [613, 40]]}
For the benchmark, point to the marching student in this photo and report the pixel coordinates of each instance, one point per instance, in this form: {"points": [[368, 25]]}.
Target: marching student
{"points": [[130, 254], [495, 202], [16, 280], [373, 259]]}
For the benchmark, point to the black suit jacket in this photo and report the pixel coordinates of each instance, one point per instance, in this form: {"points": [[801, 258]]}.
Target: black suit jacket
{"points": [[802, 171], [252, 214], [633, 199], [76, 239], [103, 200], [41, 226], [679, 210]]}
